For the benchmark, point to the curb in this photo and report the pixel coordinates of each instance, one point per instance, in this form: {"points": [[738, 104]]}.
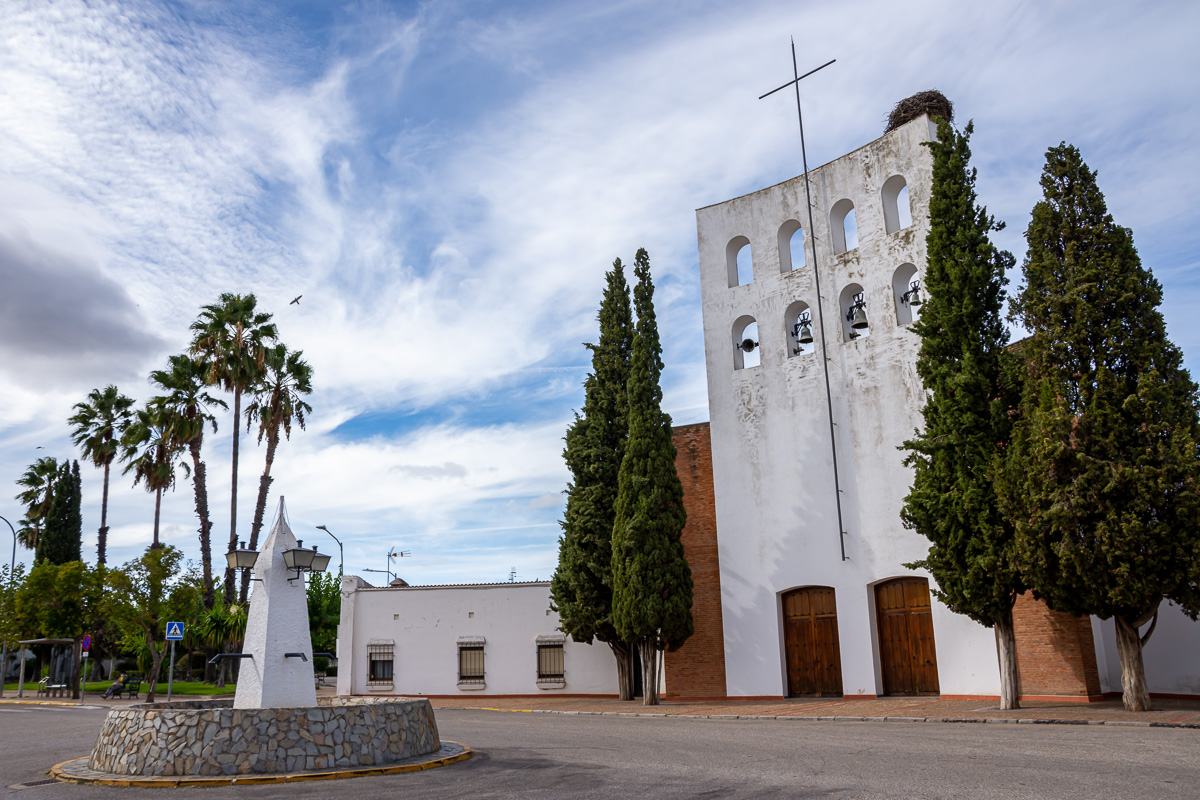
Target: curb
{"points": [[59, 772], [955, 720]]}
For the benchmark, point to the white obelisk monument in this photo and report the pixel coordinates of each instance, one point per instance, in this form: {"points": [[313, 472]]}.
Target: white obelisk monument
{"points": [[276, 626]]}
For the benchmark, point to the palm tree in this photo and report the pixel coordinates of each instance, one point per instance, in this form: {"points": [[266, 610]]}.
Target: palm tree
{"points": [[222, 628], [230, 338], [152, 452], [38, 483], [98, 426], [188, 404], [277, 401]]}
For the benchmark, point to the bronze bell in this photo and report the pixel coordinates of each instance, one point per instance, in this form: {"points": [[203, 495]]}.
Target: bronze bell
{"points": [[859, 320], [805, 333]]}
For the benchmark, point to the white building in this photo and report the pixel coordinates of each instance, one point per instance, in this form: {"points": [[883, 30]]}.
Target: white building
{"points": [[494, 639], [785, 602]]}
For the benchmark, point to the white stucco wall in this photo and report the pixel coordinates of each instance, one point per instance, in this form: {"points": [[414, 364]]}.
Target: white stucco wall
{"points": [[772, 464], [1172, 656], [426, 623]]}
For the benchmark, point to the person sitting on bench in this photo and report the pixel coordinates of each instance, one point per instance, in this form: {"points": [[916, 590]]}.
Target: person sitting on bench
{"points": [[117, 687]]}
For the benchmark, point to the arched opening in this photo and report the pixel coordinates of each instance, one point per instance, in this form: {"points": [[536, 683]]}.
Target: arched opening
{"points": [[791, 246], [810, 636], [852, 305], [907, 655], [800, 328], [738, 262], [746, 351], [842, 226], [897, 211], [907, 293]]}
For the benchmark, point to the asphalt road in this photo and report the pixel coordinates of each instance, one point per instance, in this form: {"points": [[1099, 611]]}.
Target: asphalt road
{"points": [[552, 756]]}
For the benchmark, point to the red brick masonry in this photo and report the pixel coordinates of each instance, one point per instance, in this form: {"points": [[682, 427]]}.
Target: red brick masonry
{"points": [[1056, 655], [698, 668]]}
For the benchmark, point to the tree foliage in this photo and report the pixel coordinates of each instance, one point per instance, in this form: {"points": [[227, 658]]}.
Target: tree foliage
{"points": [[187, 404], [324, 594], [62, 536], [37, 490], [230, 338], [151, 452], [953, 502], [652, 582], [278, 399], [138, 600], [97, 427], [581, 588], [1104, 474]]}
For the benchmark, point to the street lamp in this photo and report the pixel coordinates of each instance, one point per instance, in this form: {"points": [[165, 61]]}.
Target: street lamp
{"points": [[300, 560], [341, 558], [4, 648]]}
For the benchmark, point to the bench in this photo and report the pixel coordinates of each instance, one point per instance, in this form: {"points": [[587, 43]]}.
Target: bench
{"points": [[319, 677], [48, 689], [130, 689]]}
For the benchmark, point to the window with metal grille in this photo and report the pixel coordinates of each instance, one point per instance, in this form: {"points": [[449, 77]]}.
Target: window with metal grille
{"points": [[470, 663], [550, 662], [380, 658]]}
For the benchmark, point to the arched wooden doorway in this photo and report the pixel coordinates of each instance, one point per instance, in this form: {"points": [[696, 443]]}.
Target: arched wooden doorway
{"points": [[814, 659], [907, 654]]}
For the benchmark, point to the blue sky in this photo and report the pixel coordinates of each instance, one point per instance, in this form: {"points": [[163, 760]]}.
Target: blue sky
{"points": [[447, 183]]}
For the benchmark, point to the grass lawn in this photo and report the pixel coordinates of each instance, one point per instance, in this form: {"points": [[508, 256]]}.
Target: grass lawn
{"points": [[180, 688]]}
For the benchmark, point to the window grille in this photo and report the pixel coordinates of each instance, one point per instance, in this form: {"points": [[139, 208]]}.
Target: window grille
{"points": [[380, 658], [550, 662], [470, 663]]}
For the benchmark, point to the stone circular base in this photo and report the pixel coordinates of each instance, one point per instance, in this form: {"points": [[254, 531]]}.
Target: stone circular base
{"points": [[210, 738], [77, 771]]}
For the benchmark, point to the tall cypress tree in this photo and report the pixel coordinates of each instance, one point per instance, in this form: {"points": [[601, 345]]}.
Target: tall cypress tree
{"points": [[61, 540], [595, 444], [953, 501], [652, 582], [1103, 479]]}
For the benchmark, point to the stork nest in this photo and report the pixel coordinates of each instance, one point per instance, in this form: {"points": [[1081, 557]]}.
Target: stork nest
{"points": [[932, 102]]}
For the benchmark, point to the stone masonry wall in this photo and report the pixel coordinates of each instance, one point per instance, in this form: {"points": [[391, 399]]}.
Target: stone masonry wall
{"points": [[698, 668], [1056, 655], [211, 738]]}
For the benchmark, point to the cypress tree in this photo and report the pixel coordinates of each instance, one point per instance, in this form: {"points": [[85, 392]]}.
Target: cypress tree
{"points": [[581, 588], [953, 501], [1103, 477], [61, 540], [652, 582]]}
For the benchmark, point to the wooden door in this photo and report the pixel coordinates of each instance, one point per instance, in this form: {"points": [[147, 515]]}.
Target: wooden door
{"points": [[907, 654], [814, 660]]}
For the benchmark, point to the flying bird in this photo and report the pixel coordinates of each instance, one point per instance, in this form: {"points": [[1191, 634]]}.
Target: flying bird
{"points": [[296, 302]]}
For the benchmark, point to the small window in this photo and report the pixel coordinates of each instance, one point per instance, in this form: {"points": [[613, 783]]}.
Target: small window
{"points": [[906, 288], [800, 329], [853, 306], [843, 226], [550, 662], [738, 261], [745, 343], [470, 663], [897, 212], [791, 246], [380, 658]]}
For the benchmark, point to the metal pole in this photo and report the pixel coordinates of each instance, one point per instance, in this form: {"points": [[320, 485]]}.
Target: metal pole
{"points": [[171, 671], [4, 647], [837, 489], [341, 557]]}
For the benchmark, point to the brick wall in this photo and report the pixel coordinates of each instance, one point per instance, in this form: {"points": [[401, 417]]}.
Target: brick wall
{"points": [[1056, 655], [698, 668]]}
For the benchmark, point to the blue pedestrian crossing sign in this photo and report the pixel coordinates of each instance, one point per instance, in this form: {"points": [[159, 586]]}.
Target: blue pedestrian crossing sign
{"points": [[174, 631]]}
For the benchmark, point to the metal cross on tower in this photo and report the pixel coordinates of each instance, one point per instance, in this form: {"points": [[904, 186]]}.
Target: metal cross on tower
{"points": [[797, 77]]}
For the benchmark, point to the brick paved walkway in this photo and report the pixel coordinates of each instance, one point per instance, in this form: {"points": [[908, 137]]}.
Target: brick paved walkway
{"points": [[1167, 712]]}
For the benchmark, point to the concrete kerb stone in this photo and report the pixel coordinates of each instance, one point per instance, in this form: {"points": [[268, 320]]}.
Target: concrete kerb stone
{"points": [[76, 771], [950, 720]]}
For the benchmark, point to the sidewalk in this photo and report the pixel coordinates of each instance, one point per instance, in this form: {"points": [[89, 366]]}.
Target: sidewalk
{"points": [[1167, 713]]}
